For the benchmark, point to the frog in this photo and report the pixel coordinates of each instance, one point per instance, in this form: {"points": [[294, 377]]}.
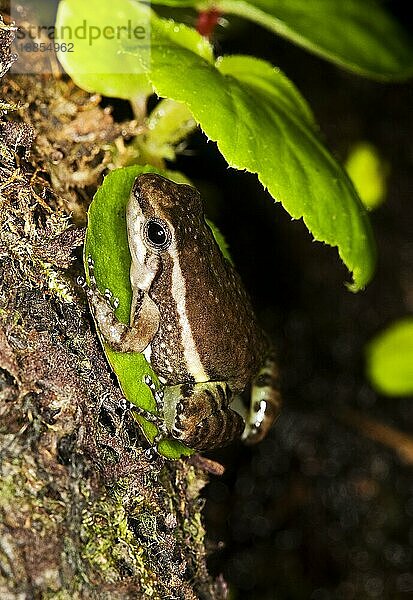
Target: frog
{"points": [[193, 320]]}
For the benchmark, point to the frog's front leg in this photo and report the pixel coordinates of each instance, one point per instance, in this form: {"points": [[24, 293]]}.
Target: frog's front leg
{"points": [[199, 415], [265, 405], [119, 336]]}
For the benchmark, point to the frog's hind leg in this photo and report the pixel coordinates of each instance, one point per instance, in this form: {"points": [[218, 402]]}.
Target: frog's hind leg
{"points": [[265, 403], [199, 415]]}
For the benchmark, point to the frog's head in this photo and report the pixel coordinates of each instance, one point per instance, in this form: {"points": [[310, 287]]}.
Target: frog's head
{"points": [[163, 221], [160, 215]]}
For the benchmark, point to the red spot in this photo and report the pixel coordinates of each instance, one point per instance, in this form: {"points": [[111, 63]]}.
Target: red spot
{"points": [[207, 21]]}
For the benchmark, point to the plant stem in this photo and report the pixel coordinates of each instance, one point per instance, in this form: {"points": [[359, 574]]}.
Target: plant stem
{"points": [[168, 124]]}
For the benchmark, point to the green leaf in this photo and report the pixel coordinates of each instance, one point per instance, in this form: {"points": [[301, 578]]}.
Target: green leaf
{"points": [[107, 65], [107, 243], [368, 172], [359, 35], [262, 124], [184, 36], [390, 359], [100, 64]]}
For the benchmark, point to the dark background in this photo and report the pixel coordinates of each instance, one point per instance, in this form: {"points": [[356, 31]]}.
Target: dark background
{"points": [[318, 510]]}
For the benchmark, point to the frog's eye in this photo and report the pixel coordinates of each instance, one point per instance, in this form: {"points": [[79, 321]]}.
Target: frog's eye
{"points": [[157, 234]]}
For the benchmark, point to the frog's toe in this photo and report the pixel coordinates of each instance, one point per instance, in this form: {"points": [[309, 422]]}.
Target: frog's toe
{"points": [[91, 269], [151, 454], [149, 382], [111, 299], [159, 396]]}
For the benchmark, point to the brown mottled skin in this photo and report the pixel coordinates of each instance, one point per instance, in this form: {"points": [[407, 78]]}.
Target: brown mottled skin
{"points": [[230, 343]]}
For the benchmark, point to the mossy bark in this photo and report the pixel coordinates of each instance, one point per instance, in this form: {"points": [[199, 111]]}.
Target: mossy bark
{"points": [[83, 514]]}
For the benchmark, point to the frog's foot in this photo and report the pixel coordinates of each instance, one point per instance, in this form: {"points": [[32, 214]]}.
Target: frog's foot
{"points": [[152, 452], [265, 402], [202, 418], [156, 418], [151, 417], [120, 336], [81, 280], [92, 290], [112, 301], [91, 268]]}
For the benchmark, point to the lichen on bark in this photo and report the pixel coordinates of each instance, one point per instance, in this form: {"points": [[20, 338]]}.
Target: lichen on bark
{"points": [[83, 514]]}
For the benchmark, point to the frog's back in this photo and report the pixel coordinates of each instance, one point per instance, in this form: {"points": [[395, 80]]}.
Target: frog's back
{"points": [[208, 330]]}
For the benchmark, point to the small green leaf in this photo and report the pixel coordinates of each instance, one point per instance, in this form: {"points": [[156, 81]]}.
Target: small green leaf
{"points": [[220, 240], [390, 359], [185, 36], [262, 124], [107, 243], [368, 172], [100, 64]]}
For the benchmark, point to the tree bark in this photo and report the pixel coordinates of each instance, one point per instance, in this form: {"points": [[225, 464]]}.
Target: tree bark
{"points": [[83, 514]]}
